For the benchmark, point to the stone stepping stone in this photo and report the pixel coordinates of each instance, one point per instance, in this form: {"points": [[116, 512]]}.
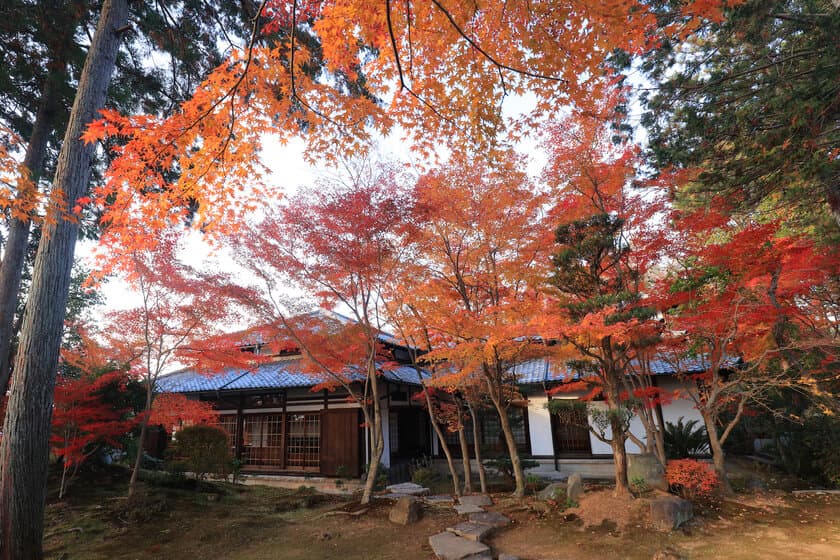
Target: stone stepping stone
{"points": [[407, 489], [472, 531], [448, 546], [467, 509], [491, 518], [508, 557], [476, 500], [439, 499]]}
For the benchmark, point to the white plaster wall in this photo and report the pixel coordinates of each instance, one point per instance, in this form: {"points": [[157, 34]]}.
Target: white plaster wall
{"points": [[682, 406], [539, 423], [601, 448]]}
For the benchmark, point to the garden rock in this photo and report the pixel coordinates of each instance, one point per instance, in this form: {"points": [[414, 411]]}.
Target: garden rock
{"points": [[448, 546], [408, 489], [406, 511], [466, 509], [552, 491], [574, 487], [646, 466], [439, 499], [669, 512], [476, 500], [491, 518], [471, 531]]}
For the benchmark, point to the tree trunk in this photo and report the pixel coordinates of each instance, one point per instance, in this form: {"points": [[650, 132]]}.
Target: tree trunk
{"points": [[24, 453], [14, 255], [377, 443], [138, 460], [622, 486], [482, 474], [718, 455], [465, 459], [456, 484], [518, 474]]}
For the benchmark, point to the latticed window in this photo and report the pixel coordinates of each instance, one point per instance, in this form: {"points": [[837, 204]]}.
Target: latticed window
{"points": [[490, 435], [228, 424], [262, 440], [304, 446]]}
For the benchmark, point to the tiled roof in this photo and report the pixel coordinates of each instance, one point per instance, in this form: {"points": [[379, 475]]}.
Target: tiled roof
{"points": [[543, 371], [275, 375]]}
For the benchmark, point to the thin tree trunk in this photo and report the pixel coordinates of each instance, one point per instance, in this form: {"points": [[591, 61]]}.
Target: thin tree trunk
{"points": [[24, 453], [482, 474], [456, 485], [14, 255], [138, 460], [718, 454], [465, 459], [377, 443]]}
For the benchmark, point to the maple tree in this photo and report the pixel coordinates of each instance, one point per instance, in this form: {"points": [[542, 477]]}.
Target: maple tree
{"points": [[83, 420], [478, 252], [605, 246], [342, 244], [740, 311], [180, 309], [175, 410]]}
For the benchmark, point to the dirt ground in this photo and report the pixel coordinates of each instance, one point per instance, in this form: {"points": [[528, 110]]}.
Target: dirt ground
{"points": [[238, 522]]}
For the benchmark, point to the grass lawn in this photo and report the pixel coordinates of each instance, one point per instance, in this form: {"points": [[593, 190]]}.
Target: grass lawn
{"points": [[252, 522]]}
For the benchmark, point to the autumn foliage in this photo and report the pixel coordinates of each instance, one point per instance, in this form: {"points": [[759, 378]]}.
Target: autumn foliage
{"points": [[84, 421], [173, 410], [691, 478]]}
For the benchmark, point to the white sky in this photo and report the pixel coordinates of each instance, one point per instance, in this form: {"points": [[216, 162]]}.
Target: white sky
{"points": [[290, 171]]}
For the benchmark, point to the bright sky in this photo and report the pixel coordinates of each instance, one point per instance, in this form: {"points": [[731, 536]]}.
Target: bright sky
{"points": [[290, 171]]}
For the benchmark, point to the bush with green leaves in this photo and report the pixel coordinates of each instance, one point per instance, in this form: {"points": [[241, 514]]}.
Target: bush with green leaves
{"points": [[685, 440], [203, 450]]}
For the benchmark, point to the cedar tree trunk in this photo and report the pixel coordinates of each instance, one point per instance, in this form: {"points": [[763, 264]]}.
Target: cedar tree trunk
{"points": [[24, 453], [18, 237]]}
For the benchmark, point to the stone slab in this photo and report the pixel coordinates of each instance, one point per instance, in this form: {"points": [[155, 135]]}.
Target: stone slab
{"points": [[408, 489], [471, 531], [491, 518], [476, 500], [466, 509], [448, 546], [439, 499], [508, 557]]}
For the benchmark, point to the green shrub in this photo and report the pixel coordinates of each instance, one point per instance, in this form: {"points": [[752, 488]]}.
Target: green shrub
{"points": [[424, 476], [684, 440], [203, 450], [639, 485]]}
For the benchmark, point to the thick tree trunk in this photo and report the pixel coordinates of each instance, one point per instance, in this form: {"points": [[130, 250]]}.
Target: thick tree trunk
{"points": [[465, 459], [518, 474], [482, 474], [456, 484], [622, 486], [14, 255], [718, 454], [24, 453]]}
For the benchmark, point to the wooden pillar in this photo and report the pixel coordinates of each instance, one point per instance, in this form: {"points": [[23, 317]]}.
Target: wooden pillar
{"points": [[239, 429]]}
